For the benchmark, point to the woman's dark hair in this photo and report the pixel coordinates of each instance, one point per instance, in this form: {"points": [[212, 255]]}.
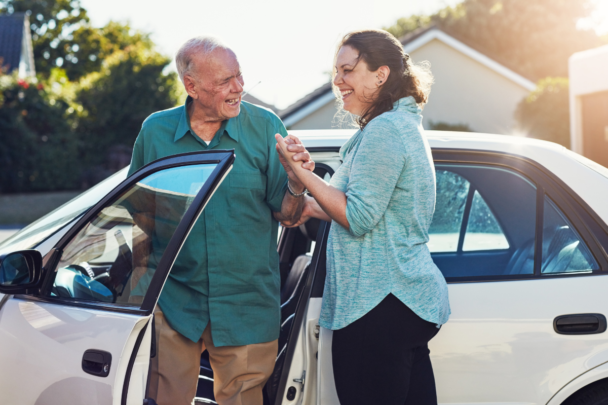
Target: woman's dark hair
{"points": [[380, 48]]}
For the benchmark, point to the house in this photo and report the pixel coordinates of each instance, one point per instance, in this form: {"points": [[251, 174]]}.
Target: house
{"points": [[470, 89], [254, 100], [589, 104], [16, 51]]}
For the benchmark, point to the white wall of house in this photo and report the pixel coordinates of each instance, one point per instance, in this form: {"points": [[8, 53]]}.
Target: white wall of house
{"points": [[469, 89], [588, 71], [323, 118], [467, 92]]}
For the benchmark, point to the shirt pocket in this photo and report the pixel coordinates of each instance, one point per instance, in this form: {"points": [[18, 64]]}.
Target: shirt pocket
{"points": [[247, 197]]}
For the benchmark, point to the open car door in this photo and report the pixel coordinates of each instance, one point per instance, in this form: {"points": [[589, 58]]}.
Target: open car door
{"points": [[77, 328]]}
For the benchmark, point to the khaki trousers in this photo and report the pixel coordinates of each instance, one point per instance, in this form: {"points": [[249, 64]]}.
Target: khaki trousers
{"points": [[240, 372]]}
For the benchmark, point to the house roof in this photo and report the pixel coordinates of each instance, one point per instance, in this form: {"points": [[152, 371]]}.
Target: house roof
{"points": [[412, 41], [254, 100], [11, 39]]}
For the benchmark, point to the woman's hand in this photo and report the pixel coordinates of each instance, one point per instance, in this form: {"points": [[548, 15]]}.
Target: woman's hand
{"points": [[293, 156]]}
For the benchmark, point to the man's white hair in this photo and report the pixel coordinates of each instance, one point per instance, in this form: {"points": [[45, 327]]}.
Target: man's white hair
{"points": [[197, 45]]}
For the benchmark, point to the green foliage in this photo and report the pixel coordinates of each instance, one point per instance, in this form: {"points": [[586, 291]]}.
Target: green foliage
{"points": [[534, 38], [73, 126], [444, 126], [544, 114], [38, 148], [63, 37], [52, 23], [409, 24], [130, 86]]}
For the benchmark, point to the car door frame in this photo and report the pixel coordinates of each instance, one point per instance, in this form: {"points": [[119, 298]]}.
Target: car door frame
{"points": [[224, 160]]}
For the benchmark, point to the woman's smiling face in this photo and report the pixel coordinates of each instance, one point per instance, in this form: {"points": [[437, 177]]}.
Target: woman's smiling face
{"points": [[357, 85]]}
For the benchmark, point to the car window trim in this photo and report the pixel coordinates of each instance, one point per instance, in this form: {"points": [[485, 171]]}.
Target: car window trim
{"points": [[547, 183], [222, 157], [538, 229], [465, 218]]}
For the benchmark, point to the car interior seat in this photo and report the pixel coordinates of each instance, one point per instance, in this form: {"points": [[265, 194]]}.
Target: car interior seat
{"points": [[290, 293], [561, 251]]}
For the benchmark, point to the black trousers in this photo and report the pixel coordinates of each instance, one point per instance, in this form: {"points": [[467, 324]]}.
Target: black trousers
{"points": [[383, 358]]}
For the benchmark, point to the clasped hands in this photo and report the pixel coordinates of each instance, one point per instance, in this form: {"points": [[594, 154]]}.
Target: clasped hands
{"points": [[297, 164]]}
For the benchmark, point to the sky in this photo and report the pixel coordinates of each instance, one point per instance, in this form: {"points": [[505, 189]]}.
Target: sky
{"points": [[286, 45]]}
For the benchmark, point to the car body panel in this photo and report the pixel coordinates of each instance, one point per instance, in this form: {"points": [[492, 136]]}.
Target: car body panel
{"points": [[46, 343], [499, 346], [500, 336], [594, 375]]}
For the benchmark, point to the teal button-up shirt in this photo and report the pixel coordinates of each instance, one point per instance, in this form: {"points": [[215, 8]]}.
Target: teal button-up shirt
{"points": [[227, 272], [389, 180]]}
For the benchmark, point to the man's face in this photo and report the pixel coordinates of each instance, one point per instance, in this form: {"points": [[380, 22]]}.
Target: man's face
{"points": [[218, 84]]}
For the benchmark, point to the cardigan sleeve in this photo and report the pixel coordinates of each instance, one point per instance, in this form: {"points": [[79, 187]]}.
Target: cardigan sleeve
{"points": [[375, 172]]}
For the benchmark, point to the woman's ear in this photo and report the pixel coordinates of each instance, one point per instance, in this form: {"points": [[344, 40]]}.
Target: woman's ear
{"points": [[382, 74]]}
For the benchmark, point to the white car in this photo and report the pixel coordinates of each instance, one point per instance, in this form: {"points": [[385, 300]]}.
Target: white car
{"points": [[519, 232]]}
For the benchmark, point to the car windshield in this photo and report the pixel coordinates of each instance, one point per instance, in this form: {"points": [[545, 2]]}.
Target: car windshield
{"points": [[38, 231]]}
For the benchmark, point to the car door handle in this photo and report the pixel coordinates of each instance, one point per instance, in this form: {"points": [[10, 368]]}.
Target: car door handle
{"points": [[97, 362], [579, 324]]}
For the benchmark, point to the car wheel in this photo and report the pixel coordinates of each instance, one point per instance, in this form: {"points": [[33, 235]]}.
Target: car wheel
{"points": [[595, 394]]}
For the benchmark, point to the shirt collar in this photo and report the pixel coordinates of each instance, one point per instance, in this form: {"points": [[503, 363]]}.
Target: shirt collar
{"points": [[407, 104], [230, 127]]}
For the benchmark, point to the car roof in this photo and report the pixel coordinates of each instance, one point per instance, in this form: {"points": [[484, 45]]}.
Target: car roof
{"points": [[588, 179]]}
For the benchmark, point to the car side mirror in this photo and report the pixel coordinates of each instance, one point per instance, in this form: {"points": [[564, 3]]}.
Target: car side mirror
{"points": [[19, 271]]}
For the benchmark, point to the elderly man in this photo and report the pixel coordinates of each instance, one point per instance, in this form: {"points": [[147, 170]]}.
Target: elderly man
{"points": [[223, 292]]}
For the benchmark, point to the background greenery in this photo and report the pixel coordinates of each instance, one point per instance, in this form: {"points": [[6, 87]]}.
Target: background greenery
{"points": [[532, 38], [75, 123]]}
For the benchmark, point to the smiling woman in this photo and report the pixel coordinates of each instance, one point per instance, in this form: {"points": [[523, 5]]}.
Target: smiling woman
{"points": [[372, 71], [384, 298]]}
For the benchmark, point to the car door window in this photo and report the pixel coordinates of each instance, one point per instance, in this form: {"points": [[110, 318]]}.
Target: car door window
{"points": [[484, 221], [114, 256], [452, 192], [564, 251], [483, 231]]}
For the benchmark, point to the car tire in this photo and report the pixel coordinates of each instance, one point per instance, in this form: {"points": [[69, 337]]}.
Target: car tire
{"points": [[594, 394]]}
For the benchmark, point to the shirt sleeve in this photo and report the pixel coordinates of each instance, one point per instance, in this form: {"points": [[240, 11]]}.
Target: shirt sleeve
{"points": [[137, 158], [276, 184], [375, 171]]}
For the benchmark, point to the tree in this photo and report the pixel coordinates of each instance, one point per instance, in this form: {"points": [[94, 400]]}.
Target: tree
{"points": [[63, 37], [405, 25], [74, 125], [534, 39], [38, 148], [544, 114], [116, 100]]}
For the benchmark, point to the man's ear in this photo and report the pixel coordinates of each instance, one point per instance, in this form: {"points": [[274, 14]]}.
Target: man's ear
{"points": [[190, 85], [383, 72]]}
